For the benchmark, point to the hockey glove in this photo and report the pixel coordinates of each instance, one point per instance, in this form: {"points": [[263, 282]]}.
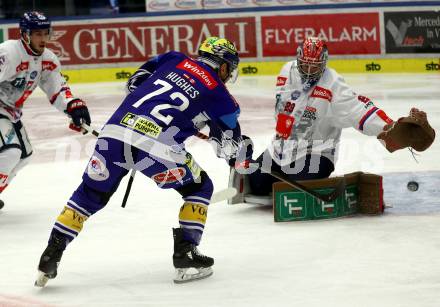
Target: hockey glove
{"points": [[411, 131], [78, 112], [243, 161]]}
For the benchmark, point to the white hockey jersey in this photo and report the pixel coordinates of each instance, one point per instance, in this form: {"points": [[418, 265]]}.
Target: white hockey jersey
{"points": [[21, 72], [316, 115]]}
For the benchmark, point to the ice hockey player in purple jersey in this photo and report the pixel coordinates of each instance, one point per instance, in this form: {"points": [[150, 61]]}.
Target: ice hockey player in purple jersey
{"points": [[171, 98], [25, 64]]}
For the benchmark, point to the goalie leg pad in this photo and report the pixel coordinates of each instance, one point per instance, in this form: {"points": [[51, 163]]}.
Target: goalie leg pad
{"points": [[371, 194]]}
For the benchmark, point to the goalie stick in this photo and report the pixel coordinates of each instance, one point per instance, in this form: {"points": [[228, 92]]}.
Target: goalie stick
{"points": [[216, 197], [325, 197]]}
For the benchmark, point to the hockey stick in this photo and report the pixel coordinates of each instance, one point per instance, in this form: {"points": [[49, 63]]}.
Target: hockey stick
{"points": [[326, 197], [87, 128], [329, 197]]}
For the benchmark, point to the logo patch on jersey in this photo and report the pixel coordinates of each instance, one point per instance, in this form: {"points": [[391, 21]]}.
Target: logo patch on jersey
{"points": [[323, 93], [33, 74], [97, 169], [48, 65], [193, 166], [295, 95], [281, 81], [22, 66], [170, 176], [141, 125], [366, 101], [310, 113], [191, 80], [199, 72], [284, 125]]}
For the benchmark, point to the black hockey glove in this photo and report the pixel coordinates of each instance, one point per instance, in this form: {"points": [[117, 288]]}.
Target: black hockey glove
{"points": [[78, 112]]}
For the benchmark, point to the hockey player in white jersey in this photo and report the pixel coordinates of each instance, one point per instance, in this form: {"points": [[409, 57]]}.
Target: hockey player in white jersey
{"points": [[25, 64], [313, 105]]}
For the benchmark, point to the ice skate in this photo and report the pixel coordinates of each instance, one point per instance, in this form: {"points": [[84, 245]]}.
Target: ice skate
{"points": [[49, 261], [190, 264], [2, 204]]}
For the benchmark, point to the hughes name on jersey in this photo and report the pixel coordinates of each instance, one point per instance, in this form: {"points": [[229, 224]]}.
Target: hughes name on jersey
{"points": [[171, 98], [21, 72], [310, 118]]}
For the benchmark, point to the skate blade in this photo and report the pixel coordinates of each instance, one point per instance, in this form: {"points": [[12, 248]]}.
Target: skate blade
{"points": [[182, 275], [41, 280]]}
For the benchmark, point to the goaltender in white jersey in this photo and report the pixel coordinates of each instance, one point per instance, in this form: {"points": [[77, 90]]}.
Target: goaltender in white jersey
{"points": [[25, 64], [313, 105], [310, 118]]}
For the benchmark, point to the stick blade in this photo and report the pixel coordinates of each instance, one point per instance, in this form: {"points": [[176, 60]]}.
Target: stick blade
{"points": [[223, 195]]}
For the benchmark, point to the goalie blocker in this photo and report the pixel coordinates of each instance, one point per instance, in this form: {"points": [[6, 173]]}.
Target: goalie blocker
{"points": [[363, 195]]}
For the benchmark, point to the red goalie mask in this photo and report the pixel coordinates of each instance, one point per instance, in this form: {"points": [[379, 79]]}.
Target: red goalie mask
{"points": [[312, 58]]}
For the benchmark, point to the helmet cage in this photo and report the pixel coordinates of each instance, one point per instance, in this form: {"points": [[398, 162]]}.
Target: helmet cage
{"points": [[312, 59]]}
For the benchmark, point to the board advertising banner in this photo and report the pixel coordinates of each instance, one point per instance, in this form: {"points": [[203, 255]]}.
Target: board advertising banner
{"points": [[412, 32], [137, 41], [345, 33], [181, 5]]}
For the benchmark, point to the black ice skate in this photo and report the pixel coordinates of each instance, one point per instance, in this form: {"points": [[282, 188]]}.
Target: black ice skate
{"points": [[187, 258], [49, 261]]}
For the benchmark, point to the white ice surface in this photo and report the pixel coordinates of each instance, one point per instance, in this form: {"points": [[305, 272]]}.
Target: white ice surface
{"points": [[123, 256]]}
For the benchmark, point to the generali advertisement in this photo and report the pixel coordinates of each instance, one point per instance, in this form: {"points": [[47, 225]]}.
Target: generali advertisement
{"points": [[136, 41]]}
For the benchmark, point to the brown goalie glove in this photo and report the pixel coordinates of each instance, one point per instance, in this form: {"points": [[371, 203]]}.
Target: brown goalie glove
{"points": [[411, 131]]}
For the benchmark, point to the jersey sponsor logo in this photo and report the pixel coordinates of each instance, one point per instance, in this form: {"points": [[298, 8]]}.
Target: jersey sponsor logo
{"points": [[284, 125], [33, 74], [22, 66], [141, 125], [323, 93], [197, 71], [48, 65], [170, 176], [310, 113], [193, 166], [366, 101], [191, 80], [18, 83], [281, 81], [97, 169], [295, 95]]}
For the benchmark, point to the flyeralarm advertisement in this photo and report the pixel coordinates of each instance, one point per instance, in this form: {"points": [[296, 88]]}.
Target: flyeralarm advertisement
{"points": [[350, 33]]}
